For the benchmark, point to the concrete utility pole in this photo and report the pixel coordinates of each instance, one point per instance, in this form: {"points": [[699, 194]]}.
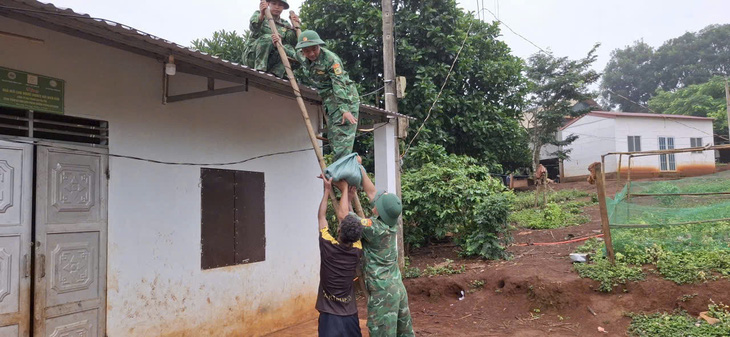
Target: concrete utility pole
{"points": [[391, 104]]}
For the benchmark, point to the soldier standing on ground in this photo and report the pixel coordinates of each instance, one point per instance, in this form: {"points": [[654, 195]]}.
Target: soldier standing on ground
{"points": [[388, 312], [323, 69], [259, 53]]}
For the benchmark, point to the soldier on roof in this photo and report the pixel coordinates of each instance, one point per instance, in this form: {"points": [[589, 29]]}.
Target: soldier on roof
{"points": [[259, 53], [323, 69]]}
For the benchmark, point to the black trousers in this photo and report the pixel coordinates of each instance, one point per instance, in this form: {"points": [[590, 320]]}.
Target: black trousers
{"points": [[339, 326]]}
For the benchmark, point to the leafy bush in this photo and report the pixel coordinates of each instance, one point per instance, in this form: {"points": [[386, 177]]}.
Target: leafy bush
{"points": [[607, 274], [488, 233], [455, 196], [681, 324]]}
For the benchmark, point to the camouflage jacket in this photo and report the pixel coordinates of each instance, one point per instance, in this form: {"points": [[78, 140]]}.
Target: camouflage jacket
{"points": [[381, 253], [261, 28], [328, 76]]}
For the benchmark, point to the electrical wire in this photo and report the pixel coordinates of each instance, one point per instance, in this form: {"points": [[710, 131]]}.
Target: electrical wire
{"points": [[513, 31], [672, 119], [45, 143]]}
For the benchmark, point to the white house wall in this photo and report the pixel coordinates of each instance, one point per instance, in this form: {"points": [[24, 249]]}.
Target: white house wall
{"points": [[650, 129], [595, 138], [155, 283]]}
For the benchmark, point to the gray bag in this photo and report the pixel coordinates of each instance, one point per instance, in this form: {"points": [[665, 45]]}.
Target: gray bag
{"points": [[346, 168]]}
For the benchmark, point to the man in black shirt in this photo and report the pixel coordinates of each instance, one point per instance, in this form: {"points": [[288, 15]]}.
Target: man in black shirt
{"points": [[338, 268]]}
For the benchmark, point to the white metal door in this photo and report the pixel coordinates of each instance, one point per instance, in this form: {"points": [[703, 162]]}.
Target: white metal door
{"points": [[16, 192], [71, 240]]}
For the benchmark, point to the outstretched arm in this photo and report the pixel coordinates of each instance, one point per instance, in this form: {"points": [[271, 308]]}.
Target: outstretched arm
{"points": [[344, 205], [367, 184], [322, 214]]}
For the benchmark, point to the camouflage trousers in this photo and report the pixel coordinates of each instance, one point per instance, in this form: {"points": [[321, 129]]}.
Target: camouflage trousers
{"points": [[388, 312], [340, 136], [262, 55]]}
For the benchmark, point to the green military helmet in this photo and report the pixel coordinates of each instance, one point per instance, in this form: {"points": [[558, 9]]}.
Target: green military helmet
{"points": [[389, 207], [309, 38], [286, 4]]}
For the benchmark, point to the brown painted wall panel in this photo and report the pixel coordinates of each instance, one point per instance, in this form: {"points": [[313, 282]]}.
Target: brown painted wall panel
{"points": [[217, 218], [250, 214]]}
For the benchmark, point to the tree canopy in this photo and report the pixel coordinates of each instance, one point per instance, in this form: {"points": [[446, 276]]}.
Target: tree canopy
{"points": [[555, 84], [226, 45], [637, 71], [702, 100], [478, 112]]}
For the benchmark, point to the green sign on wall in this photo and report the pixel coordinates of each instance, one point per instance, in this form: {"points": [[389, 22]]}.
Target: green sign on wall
{"points": [[23, 90]]}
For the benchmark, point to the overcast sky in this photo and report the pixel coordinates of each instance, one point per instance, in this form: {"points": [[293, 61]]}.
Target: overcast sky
{"points": [[567, 27]]}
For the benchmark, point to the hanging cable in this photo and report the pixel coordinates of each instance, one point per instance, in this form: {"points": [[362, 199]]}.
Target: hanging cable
{"points": [[513, 31]]}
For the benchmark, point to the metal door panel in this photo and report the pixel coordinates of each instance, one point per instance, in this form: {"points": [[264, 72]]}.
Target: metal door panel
{"points": [[9, 270], [73, 196], [82, 324], [16, 169], [73, 268], [71, 234]]}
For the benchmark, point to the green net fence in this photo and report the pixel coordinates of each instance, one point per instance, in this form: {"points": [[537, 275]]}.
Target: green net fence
{"points": [[688, 214]]}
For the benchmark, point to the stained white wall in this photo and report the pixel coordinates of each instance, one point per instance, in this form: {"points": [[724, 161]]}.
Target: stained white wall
{"points": [[595, 138], [155, 284], [650, 129]]}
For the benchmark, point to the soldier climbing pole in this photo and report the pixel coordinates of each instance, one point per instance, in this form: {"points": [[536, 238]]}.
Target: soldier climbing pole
{"points": [[303, 108]]}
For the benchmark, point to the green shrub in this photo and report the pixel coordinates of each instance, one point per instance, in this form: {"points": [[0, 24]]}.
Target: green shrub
{"points": [[455, 196], [488, 233]]}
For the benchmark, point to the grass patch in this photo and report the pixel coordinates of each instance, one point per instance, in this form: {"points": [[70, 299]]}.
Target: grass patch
{"points": [[446, 268], [680, 324], [683, 254], [552, 216], [525, 200], [609, 275]]}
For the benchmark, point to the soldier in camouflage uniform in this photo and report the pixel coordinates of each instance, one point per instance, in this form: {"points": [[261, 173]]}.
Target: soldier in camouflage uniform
{"points": [[388, 312], [259, 53], [323, 70]]}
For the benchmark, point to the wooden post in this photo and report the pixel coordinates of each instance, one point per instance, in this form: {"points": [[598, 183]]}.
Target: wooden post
{"points": [[618, 171], [603, 166], [303, 108], [727, 99], [391, 104], [605, 226]]}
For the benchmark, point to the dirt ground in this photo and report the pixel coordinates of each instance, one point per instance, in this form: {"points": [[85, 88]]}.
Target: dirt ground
{"points": [[536, 293]]}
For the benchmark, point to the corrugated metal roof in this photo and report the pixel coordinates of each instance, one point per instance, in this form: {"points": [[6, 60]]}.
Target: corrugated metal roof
{"points": [[614, 114], [121, 36]]}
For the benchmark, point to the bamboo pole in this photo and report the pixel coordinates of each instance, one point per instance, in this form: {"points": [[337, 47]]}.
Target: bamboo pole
{"points": [[303, 108], [605, 226], [295, 24]]}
